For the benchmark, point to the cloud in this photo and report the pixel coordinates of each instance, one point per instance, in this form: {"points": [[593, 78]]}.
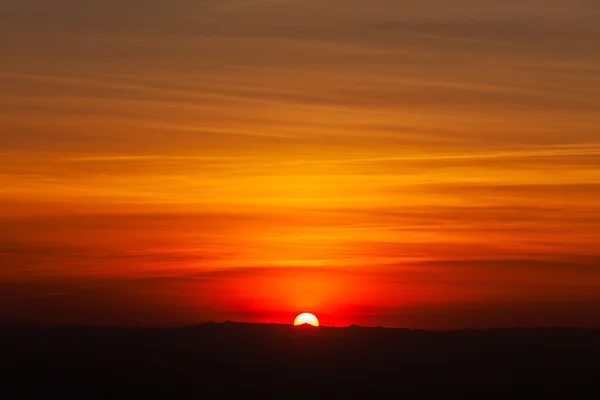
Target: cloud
{"points": [[166, 76]]}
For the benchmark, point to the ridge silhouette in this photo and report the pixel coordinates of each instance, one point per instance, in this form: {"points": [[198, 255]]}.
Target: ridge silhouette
{"points": [[339, 361]]}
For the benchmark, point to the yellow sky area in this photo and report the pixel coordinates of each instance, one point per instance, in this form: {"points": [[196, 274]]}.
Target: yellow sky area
{"points": [[324, 180], [325, 211]]}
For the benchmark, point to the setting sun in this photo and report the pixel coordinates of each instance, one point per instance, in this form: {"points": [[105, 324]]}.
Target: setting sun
{"points": [[306, 319]]}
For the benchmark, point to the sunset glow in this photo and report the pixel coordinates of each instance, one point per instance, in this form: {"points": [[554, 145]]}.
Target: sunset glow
{"points": [[382, 162]]}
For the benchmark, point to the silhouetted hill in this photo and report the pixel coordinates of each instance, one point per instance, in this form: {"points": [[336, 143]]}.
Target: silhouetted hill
{"points": [[353, 361]]}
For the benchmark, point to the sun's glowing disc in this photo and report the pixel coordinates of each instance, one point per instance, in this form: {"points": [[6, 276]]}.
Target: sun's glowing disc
{"points": [[306, 319]]}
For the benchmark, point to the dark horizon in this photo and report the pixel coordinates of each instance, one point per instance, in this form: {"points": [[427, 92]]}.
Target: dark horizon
{"points": [[292, 326], [273, 360]]}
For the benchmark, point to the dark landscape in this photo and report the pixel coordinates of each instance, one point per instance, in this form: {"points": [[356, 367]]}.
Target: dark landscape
{"points": [[271, 359]]}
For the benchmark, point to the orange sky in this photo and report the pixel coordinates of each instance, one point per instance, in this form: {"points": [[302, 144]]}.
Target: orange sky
{"points": [[424, 164]]}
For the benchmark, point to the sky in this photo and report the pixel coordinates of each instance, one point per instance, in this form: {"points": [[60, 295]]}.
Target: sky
{"points": [[424, 164]]}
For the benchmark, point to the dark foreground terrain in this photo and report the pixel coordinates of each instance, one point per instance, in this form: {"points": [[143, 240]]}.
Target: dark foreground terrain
{"points": [[286, 361]]}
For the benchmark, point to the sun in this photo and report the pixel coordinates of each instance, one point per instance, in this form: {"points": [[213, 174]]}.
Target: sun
{"points": [[306, 319]]}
